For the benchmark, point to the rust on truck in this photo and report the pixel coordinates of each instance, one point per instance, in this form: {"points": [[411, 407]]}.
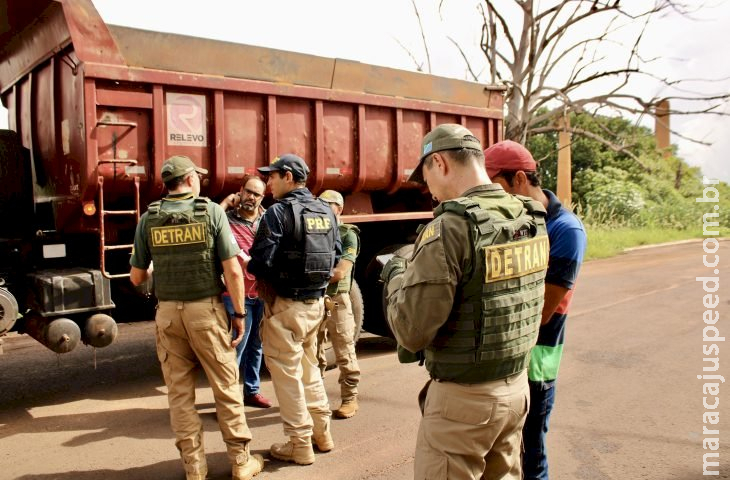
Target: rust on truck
{"points": [[99, 107]]}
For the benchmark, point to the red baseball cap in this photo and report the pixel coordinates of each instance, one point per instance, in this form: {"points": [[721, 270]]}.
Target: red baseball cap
{"points": [[510, 156]]}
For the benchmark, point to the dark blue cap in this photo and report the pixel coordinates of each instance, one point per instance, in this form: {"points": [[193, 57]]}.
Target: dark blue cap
{"points": [[288, 163]]}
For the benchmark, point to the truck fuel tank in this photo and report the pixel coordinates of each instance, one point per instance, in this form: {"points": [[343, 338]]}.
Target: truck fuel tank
{"points": [[60, 334], [100, 330]]}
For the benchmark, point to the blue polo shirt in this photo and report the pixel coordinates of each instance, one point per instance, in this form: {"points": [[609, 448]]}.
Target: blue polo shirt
{"points": [[567, 247]]}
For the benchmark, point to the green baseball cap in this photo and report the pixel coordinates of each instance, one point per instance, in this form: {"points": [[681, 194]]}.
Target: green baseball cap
{"points": [[177, 166], [447, 136], [332, 196]]}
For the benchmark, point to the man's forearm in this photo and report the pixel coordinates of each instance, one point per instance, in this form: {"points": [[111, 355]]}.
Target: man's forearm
{"points": [[554, 294], [412, 313], [138, 275], [235, 290], [342, 270], [234, 282]]}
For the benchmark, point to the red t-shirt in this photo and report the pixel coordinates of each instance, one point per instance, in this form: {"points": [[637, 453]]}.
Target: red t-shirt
{"points": [[244, 231]]}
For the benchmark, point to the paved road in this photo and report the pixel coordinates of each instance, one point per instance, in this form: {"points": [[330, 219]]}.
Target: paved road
{"points": [[628, 402]]}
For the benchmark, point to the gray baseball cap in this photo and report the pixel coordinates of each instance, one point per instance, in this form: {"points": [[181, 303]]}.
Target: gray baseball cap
{"points": [[447, 136]]}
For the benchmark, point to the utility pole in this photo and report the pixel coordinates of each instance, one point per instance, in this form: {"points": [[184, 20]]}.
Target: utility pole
{"points": [[661, 127]]}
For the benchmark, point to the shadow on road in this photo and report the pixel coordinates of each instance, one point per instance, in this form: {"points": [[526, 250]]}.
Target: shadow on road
{"points": [[374, 346], [138, 423], [218, 467]]}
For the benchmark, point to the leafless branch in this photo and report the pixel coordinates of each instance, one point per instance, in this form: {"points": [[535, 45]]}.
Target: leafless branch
{"points": [[598, 138], [549, 71], [423, 35], [474, 76], [419, 66]]}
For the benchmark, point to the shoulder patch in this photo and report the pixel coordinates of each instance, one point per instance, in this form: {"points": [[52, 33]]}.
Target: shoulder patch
{"points": [[430, 233]]}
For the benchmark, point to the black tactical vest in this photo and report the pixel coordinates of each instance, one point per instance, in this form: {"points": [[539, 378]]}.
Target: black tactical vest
{"points": [[183, 251], [308, 256], [498, 304]]}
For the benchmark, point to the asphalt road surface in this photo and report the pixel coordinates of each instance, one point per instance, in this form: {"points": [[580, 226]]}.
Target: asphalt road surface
{"points": [[628, 403]]}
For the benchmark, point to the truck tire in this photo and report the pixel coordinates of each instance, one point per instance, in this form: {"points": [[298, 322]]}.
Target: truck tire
{"points": [[376, 321], [16, 201]]}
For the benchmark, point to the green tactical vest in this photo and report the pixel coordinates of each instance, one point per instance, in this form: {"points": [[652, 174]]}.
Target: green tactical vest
{"points": [[498, 304], [183, 251], [344, 285]]}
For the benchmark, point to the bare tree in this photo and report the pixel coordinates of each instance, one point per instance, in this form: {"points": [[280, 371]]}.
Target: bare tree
{"points": [[552, 68]]}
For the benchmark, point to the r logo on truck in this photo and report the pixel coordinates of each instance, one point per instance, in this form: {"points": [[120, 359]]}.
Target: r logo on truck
{"points": [[186, 122]]}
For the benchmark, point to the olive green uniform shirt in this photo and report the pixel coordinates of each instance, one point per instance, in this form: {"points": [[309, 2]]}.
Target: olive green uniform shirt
{"points": [[225, 243], [421, 298], [350, 243]]}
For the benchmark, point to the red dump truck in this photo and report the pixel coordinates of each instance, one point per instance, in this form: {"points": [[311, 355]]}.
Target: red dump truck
{"points": [[94, 110]]}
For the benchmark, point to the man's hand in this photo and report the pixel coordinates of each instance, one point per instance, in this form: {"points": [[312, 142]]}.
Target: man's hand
{"points": [[394, 266], [231, 201], [244, 259], [237, 323]]}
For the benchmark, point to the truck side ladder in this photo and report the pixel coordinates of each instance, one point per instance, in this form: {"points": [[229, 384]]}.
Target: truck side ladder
{"points": [[104, 214]]}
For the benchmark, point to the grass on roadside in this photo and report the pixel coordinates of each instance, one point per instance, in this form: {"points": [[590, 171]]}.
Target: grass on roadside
{"points": [[604, 242]]}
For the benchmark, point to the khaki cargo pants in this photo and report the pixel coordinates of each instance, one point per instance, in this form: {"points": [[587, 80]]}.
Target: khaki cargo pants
{"points": [[340, 328], [191, 334], [472, 432], [289, 337]]}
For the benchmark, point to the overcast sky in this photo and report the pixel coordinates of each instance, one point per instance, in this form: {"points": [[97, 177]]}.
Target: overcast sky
{"points": [[371, 31]]}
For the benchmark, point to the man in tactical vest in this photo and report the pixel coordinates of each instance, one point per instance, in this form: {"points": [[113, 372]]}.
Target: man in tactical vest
{"points": [[511, 165], [469, 299], [191, 244], [339, 324], [295, 249]]}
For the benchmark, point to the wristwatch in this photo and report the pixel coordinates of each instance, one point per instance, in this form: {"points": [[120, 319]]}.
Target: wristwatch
{"points": [[239, 315]]}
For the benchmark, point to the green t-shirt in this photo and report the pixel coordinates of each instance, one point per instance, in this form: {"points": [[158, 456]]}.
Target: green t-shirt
{"points": [[225, 243], [350, 249]]}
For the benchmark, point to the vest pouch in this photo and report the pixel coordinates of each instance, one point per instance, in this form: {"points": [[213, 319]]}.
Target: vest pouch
{"points": [[316, 267], [406, 356]]}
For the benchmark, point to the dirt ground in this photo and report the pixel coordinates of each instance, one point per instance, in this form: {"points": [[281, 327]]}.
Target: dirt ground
{"points": [[628, 403]]}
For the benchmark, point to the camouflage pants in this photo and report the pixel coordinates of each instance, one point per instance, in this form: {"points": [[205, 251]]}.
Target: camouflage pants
{"points": [[339, 327]]}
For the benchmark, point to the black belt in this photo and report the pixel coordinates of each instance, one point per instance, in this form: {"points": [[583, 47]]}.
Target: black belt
{"points": [[302, 296]]}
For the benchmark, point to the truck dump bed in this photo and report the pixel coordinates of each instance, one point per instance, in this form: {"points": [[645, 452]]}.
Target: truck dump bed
{"points": [[98, 108], [89, 98]]}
